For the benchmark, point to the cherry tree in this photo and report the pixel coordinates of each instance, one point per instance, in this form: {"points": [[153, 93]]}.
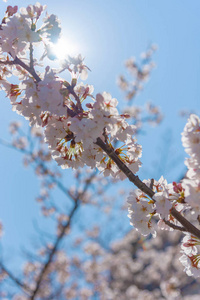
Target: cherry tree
{"points": [[87, 131]]}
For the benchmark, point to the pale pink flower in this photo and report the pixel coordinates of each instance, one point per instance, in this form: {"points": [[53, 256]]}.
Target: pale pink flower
{"points": [[162, 204], [140, 211], [191, 264]]}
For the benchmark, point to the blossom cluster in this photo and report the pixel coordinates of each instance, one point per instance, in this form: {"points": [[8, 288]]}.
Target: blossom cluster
{"points": [[191, 184], [144, 211], [191, 255], [183, 196], [133, 258], [71, 123], [139, 73]]}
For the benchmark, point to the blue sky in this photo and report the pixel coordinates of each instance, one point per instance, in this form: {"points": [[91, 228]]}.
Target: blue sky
{"points": [[108, 33]]}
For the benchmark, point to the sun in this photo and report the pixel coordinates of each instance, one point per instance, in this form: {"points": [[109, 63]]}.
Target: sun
{"points": [[65, 47]]}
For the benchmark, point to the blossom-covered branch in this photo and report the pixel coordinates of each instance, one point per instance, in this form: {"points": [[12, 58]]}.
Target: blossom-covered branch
{"points": [[82, 129]]}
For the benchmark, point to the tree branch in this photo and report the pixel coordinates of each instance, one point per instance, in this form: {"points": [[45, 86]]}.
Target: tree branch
{"points": [[16, 280], [59, 238], [143, 187], [176, 227], [53, 252], [133, 178], [19, 62]]}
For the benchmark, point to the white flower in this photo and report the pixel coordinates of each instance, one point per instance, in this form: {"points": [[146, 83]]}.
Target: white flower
{"points": [[140, 211], [191, 136], [162, 204], [192, 267], [192, 193], [191, 255]]}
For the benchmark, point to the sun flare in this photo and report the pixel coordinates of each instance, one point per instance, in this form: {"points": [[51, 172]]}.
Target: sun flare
{"points": [[65, 47]]}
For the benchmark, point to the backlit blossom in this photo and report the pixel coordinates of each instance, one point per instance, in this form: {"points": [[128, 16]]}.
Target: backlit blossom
{"points": [[140, 212], [162, 203]]}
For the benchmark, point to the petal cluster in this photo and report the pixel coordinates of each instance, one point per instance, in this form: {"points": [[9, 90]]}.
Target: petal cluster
{"points": [[72, 117]]}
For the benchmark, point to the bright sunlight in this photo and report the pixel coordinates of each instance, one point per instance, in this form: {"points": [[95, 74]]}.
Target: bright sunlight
{"points": [[65, 47]]}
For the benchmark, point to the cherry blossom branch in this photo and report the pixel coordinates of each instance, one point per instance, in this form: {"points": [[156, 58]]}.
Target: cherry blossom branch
{"points": [[71, 90], [143, 187], [139, 71], [14, 279], [53, 251], [60, 237], [70, 131], [19, 62], [64, 227], [176, 227], [133, 178], [190, 228]]}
